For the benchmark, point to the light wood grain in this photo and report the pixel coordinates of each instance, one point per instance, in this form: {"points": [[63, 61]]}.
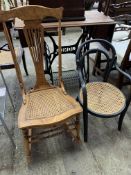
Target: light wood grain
{"points": [[44, 105]]}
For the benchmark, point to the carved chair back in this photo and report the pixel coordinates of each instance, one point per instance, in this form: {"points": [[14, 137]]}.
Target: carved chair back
{"points": [[34, 33]]}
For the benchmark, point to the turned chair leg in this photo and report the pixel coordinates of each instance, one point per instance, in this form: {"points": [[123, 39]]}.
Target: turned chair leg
{"points": [[24, 63], [27, 145]]}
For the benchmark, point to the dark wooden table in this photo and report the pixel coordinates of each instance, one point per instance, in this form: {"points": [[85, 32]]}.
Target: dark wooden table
{"points": [[92, 18], [95, 25]]}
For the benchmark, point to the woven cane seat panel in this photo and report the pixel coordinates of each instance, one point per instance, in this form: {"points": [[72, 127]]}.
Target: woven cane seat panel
{"points": [[104, 98], [6, 57], [47, 104]]}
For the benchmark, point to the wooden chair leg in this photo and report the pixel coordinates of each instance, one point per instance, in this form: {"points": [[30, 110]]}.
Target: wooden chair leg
{"points": [[74, 131], [27, 144], [30, 134]]}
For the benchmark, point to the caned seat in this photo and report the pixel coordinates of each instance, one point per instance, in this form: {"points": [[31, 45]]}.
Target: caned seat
{"points": [[47, 107], [104, 99]]}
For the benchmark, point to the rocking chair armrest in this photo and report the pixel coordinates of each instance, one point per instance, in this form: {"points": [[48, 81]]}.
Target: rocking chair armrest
{"points": [[123, 72]]}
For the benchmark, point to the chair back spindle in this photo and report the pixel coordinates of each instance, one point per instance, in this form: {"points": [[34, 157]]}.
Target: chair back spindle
{"points": [[35, 40]]}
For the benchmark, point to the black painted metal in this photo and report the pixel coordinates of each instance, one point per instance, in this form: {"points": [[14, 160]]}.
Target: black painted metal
{"points": [[48, 68], [87, 34], [71, 49]]}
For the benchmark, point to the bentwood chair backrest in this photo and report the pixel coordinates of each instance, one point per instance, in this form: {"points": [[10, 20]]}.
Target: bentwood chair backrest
{"points": [[34, 29]]}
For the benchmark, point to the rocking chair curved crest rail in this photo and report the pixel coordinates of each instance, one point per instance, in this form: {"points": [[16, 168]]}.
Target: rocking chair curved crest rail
{"points": [[45, 106]]}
